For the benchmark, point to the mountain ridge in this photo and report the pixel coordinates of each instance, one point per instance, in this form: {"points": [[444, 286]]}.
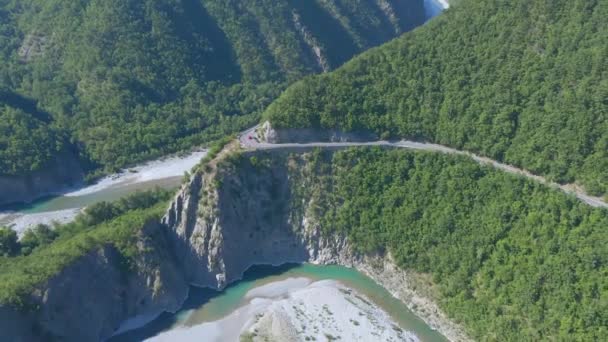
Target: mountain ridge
{"points": [[522, 82], [127, 81]]}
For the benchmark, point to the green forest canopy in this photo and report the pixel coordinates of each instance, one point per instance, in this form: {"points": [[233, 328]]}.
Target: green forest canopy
{"points": [[26, 142], [126, 80], [524, 82], [512, 260]]}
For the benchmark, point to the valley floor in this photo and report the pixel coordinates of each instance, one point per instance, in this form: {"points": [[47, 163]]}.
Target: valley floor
{"points": [[298, 309]]}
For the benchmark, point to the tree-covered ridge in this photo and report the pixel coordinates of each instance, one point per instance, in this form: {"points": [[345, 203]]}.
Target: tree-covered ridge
{"points": [[524, 82], [510, 259], [129, 80]]}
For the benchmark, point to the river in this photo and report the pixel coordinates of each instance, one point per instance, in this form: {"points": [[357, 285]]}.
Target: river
{"points": [[166, 173], [206, 305]]}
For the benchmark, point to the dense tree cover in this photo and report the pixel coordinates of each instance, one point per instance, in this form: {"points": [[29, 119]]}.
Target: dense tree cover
{"points": [[104, 211], [9, 244], [43, 252], [127, 80], [26, 143], [513, 260], [42, 235], [525, 82]]}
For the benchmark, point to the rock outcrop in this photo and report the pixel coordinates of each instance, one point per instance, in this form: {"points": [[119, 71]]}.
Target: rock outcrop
{"points": [[311, 42], [309, 135], [33, 45], [99, 294], [62, 172], [251, 209], [242, 209]]}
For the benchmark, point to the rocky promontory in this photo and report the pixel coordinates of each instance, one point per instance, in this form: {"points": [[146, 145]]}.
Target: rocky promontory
{"points": [[241, 209]]}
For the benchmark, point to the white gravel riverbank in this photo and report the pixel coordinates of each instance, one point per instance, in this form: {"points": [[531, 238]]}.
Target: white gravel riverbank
{"points": [[298, 309], [21, 222], [145, 174], [158, 169]]}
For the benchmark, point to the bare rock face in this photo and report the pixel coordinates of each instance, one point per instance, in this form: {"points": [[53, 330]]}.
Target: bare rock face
{"points": [[311, 42], [16, 326], [223, 229], [245, 209], [91, 298], [33, 45], [267, 133]]}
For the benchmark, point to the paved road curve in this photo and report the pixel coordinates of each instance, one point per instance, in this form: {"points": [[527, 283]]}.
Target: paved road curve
{"points": [[249, 140]]}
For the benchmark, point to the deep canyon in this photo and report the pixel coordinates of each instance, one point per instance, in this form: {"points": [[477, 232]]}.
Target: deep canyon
{"points": [[222, 222]]}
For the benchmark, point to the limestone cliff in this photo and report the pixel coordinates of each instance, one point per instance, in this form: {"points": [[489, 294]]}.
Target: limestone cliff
{"points": [[239, 215], [93, 297], [254, 208], [241, 209]]}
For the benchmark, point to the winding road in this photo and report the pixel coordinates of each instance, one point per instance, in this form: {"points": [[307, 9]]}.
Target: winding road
{"points": [[250, 140]]}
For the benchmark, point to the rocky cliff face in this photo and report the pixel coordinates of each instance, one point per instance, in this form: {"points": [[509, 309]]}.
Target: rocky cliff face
{"points": [[98, 294], [242, 209], [64, 171], [245, 216], [259, 208]]}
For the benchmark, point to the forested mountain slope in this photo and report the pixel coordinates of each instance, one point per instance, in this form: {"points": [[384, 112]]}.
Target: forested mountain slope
{"points": [[26, 139], [507, 258], [124, 80], [525, 82]]}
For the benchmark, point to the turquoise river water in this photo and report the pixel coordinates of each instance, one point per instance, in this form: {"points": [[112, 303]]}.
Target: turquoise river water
{"points": [[205, 305], [109, 194]]}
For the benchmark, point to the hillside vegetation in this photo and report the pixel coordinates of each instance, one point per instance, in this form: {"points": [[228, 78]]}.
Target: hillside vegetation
{"points": [[26, 142], [44, 252], [508, 258], [524, 82], [125, 80]]}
